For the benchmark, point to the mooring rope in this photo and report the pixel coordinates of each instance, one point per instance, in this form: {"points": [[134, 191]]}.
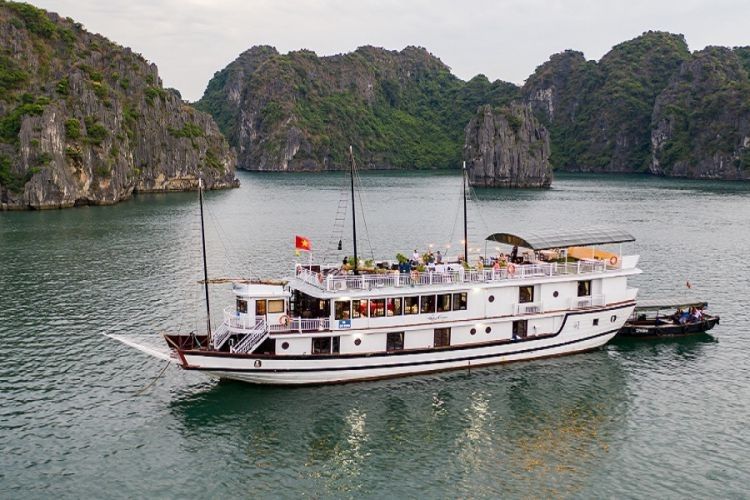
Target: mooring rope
{"points": [[144, 389]]}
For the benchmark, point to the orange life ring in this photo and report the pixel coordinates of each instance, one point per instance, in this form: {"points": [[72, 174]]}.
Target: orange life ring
{"points": [[284, 320], [511, 269], [613, 260], [414, 275]]}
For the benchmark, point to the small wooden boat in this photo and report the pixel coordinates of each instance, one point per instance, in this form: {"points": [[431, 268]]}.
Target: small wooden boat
{"points": [[668, 318]]}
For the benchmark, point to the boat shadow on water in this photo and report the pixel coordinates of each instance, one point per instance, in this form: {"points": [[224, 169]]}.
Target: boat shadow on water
{"points": [[551, 420]]}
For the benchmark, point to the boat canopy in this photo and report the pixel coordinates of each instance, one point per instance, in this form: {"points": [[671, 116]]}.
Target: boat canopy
{"points": [[560, 239], [669, 303]]}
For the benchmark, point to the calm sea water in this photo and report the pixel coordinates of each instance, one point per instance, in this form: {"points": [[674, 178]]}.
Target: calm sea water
{"points": [[664, 419]]}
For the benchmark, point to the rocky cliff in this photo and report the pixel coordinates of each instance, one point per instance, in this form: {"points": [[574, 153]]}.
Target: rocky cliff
{"points": [[507, 147], [298, 111], [599, 113], [84, 121], [702, 119]]}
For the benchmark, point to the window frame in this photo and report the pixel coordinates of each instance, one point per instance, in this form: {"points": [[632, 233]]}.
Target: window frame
{"points": [[408, 309], [444, 335], [275, 301], [424, 300], [530, 297], [345, 313], [463, 299], [317, 349], [517, 333], [374, 308], [586, 285], [394, 346], [439, 299], [396, 310]]}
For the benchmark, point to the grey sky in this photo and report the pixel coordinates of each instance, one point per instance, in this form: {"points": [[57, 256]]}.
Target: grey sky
{"points": [[189, 40]]}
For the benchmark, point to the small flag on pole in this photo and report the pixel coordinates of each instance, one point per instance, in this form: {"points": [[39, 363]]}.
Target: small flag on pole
{"points": [[302, 243], [687, 283]]}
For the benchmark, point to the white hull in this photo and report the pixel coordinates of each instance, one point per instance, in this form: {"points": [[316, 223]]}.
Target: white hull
{"points": [[277, 370]]}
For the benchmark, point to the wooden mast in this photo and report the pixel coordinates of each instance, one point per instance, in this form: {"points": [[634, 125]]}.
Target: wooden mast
{"points": [[466, 232], [354, 215], [205, 266]]}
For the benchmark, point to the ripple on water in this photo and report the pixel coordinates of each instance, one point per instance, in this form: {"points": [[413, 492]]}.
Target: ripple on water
{"points": [[664, 419]]}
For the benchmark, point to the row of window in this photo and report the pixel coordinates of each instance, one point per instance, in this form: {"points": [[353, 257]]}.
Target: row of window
{"points": [[262, 306], [395, 340], [396, 306]]}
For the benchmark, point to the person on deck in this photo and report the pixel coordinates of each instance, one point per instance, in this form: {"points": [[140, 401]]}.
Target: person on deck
{"points": [[514, 254], [415, 257], [438, 258]]}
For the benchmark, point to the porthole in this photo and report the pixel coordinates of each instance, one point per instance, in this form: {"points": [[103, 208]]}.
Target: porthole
{"points": [[285, 345], [555, 294], [487, 330], [613, 318], [357, 341], [257, 363], [473, 331], [491, 298]]}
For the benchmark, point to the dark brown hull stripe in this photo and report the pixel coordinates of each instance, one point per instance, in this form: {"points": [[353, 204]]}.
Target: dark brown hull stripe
{"points": [[400, 365]]}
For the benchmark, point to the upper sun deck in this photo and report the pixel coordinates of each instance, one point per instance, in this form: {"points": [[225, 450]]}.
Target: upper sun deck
{"points": [[335, 280], [540, 261]]}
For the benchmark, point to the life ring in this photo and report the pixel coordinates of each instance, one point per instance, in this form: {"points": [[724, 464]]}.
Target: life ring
{"points": [[511, 269], [613, 260], [284, 320], [414, 275]]}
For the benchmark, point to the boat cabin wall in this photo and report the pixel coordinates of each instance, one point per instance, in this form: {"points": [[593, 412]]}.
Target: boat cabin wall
{"points": [[419, 337]]}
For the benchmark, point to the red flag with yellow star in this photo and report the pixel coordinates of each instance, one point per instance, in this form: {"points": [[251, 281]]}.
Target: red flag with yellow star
{"points": [[302, 243]]}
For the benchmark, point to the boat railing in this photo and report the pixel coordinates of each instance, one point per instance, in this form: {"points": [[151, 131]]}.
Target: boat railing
{"points": [[528, 308], [587, 301], [221, 335], [301, 325], [333, 281], [239, 322], [249, 342]]}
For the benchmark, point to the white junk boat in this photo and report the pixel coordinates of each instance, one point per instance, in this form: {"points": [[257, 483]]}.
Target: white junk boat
{"points": [[325, 325]]}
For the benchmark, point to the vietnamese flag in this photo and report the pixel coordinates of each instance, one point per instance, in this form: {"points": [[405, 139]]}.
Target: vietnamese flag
{"points": [[302, 243]]}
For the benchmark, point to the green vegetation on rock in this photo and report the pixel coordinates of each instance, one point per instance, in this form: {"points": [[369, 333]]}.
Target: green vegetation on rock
{"points": [[397, 109], [51, 72]]}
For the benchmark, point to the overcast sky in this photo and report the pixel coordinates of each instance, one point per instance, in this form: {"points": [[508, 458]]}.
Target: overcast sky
{"points": [[190, 40]]}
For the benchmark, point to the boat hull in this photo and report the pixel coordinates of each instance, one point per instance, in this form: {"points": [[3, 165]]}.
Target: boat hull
{"points": [[306, 370], [648, 330]]}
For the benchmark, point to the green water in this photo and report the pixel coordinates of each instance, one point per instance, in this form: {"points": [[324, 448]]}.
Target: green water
{"points": [[666, 419]]}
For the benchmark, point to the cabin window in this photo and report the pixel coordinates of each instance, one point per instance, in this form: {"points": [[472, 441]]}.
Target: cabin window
{"points": [[584, 288], [444, 303], [377, 308], [359, 308], [596, 321], [459, 301], [276, 306], [336, 345], [395, 341], [342, 309], [393, 306], [260, 307], [321, 345], [520, 329], [428, 304], [411, 305], [525, 294], [442, 337], [241, 306]]}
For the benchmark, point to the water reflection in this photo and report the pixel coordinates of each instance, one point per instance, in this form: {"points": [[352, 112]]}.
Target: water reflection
{"points": [[498, 430]]}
